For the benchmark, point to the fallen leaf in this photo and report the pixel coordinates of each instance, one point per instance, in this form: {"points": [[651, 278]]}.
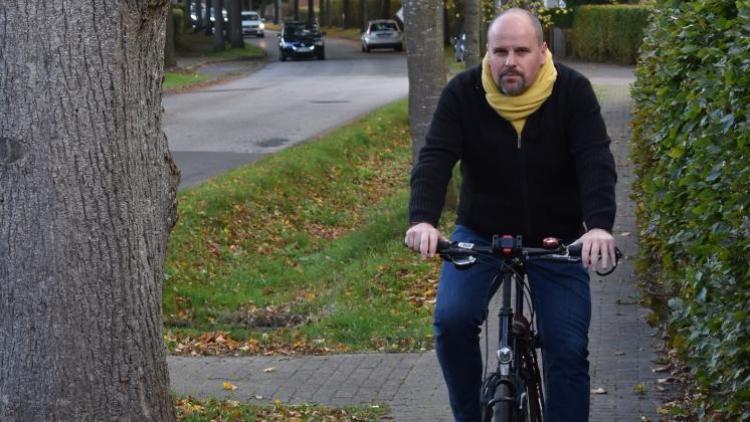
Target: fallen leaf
{"points": [[598, 391], [228, 386], [271, 369], [663, 368]]}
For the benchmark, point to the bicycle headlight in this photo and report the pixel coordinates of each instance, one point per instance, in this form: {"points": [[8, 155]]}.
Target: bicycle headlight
{"points": [[504, 355]]}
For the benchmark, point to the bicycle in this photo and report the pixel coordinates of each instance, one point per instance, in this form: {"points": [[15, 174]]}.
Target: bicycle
{"points": [[514, 391]]}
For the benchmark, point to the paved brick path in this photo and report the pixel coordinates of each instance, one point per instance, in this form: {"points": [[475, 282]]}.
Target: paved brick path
{"points": [[622, 344]]}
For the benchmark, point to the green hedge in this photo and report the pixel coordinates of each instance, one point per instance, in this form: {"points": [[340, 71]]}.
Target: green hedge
{"points": [[609, 33], [691, 147]]}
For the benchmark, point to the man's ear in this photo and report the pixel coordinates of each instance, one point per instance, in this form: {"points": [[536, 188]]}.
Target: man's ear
{"points": [[543, 51]]}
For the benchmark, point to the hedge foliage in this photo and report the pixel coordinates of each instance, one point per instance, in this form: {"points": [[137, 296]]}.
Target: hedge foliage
{"points": [[691, 147], [609, 33]]}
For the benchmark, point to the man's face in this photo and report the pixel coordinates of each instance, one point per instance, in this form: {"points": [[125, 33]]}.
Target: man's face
{"points": [[515, 54]]}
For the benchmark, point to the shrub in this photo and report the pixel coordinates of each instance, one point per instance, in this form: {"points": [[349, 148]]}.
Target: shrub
{"points": [[691, 146], [609, 33]]}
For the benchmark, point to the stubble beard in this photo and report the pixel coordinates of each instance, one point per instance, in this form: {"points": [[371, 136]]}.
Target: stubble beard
{"points": [[514, 88]]}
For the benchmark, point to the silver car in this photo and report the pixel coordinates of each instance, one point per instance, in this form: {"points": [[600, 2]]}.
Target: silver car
{"points": [[382, 33], [252, 24]]}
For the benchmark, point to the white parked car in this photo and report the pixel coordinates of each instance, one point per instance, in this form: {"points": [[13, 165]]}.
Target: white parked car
{"points": [[252, 24], [382, 33]]}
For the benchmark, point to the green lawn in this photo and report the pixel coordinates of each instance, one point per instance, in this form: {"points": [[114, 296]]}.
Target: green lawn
{"points": [[302, 252]]}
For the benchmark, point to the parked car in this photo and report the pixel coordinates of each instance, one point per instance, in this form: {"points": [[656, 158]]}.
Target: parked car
{"points": [[300, 39], [252, 24], [382, 33]]}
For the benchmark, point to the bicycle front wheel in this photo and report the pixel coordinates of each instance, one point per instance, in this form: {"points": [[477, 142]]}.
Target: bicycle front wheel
{"points": [[503, 408]]}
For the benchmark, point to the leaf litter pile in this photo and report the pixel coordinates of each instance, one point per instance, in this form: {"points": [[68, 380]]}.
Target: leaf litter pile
{"points": [[301, 253], [192, 410]]}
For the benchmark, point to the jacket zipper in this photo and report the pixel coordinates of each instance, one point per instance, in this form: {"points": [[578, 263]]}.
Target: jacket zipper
{"points": [[524, 191]]}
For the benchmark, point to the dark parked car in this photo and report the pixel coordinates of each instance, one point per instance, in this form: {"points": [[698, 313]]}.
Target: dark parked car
{"points": [[300, 39]]}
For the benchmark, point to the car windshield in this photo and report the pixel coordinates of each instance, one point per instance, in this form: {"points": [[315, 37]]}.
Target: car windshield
{"points": [[383, 26], [300, 31], [250, 16]]}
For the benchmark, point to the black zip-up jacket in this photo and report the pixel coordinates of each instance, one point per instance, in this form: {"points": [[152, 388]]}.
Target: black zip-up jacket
{"points": [[554, 178]]}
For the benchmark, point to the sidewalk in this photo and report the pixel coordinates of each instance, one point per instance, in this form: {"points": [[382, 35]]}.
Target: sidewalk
{"points": [[622, 345]]}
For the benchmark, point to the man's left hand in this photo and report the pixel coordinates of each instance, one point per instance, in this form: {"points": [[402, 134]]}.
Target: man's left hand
{"points": [[597, 245]]}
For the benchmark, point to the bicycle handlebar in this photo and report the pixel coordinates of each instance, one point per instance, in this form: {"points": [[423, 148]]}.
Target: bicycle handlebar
{"points": [[506, 247]]}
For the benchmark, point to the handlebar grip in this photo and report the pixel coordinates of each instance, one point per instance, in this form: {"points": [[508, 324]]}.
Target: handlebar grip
{"points": [[443, 245]]}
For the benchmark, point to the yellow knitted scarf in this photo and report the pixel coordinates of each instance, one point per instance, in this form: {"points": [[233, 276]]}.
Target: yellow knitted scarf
{"points": [[516, 108]]}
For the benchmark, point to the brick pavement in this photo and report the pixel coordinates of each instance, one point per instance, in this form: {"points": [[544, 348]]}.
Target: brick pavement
{"points": [[622, 345]]}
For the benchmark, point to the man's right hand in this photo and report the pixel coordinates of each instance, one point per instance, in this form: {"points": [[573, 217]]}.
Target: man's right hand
{"points": [[423, 238]]}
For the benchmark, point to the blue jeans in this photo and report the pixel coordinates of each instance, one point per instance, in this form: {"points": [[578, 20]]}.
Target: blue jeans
{"points": [[562, 302]]}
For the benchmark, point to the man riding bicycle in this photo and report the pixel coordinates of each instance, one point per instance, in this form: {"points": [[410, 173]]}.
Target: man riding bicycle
{"points": [[535, 161]]}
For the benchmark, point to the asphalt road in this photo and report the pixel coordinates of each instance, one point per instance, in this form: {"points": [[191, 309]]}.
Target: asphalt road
{"points": [[279, 105]]}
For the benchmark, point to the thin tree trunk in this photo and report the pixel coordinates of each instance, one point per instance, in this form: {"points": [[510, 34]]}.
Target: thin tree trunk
{"points": [[386, 9], [296, 10], [169, 57], [218, 26], [207, 17], [472, 27], [235, 24], [363, 15], [310, 11], [347, 13], [424, 57], [322, 13], [87, 201]]}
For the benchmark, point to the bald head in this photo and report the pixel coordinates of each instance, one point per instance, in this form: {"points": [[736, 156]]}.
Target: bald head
{"points": [[516, 50], [516, 12]]}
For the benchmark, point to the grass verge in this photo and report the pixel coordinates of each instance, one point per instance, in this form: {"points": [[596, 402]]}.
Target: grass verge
{"points": [[302, 252], [193, 410], [199, 46]]}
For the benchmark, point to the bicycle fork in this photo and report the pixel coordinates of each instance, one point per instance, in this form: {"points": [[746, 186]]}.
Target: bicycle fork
{"points": [[506, 387]]}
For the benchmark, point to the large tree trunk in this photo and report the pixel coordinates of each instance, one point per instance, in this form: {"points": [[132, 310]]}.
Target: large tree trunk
{"points": [[423, 23], [87, 201], [235, 24], [472, 27]]}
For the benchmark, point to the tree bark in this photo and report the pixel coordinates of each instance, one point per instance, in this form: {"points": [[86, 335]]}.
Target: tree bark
{"points": [[87, 201], [472, 27], [310, 12], [423, 23], [386, 9], [296, 10], [235, 24]]}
